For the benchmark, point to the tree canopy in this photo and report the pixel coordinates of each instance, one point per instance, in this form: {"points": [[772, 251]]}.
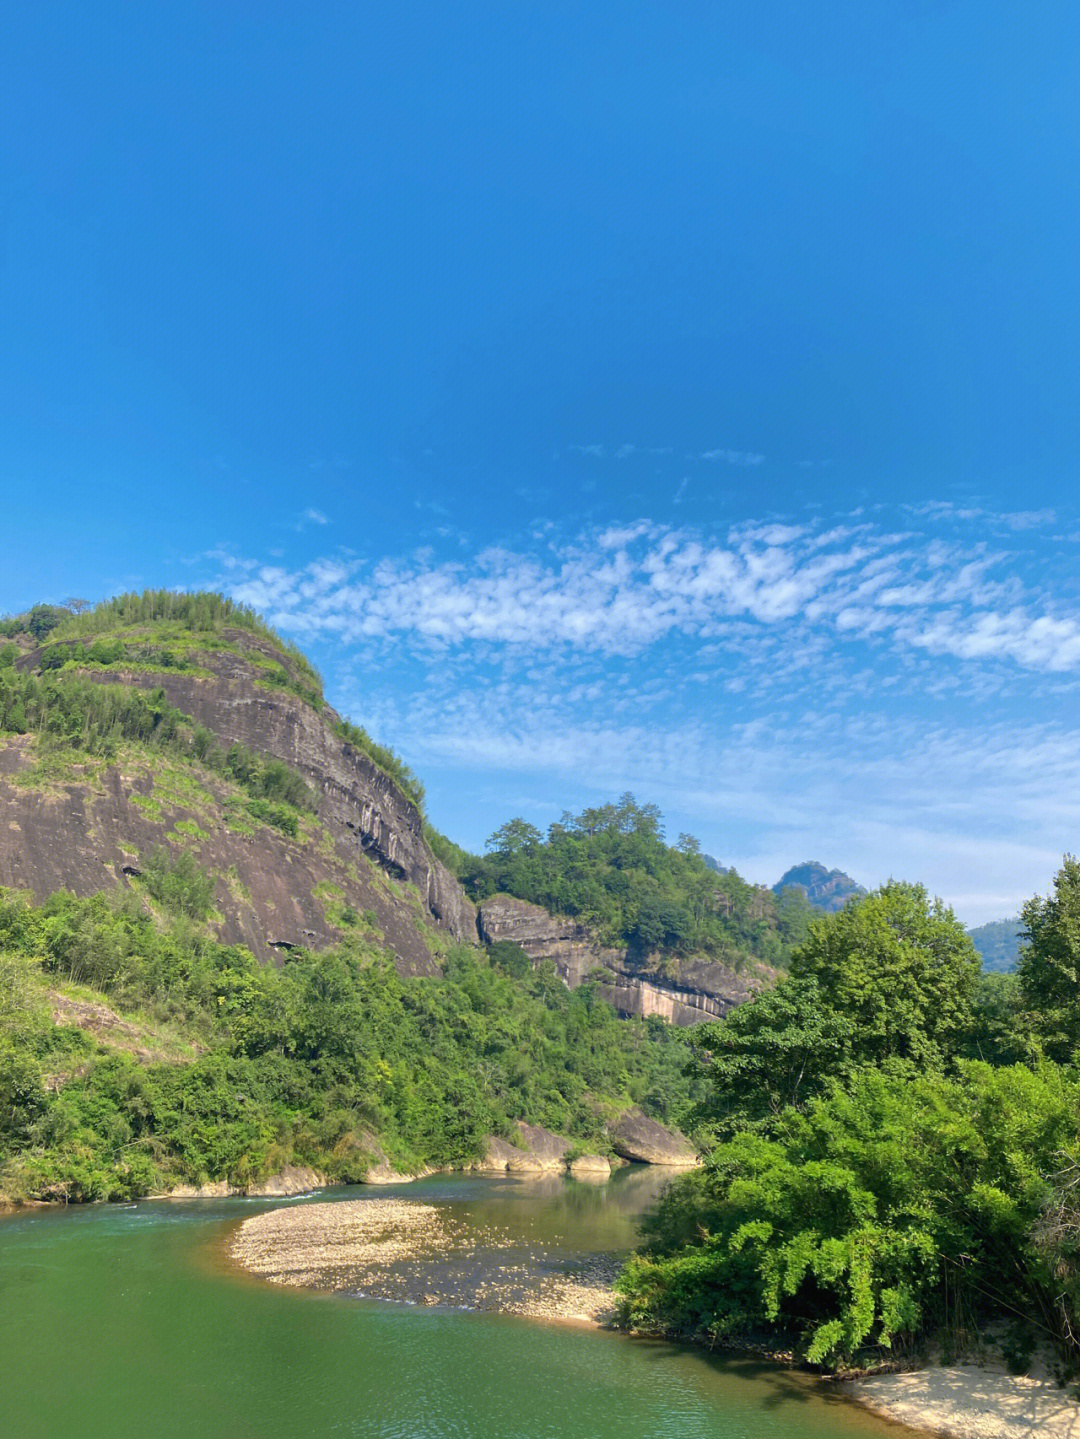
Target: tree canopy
{"points": [[610, 868], [889, 1153]]}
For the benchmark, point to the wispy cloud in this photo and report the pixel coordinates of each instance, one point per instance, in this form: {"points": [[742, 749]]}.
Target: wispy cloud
{"points": [[624, 589], [311, 517], [853, 690], [745, 459], [1015, 520]]}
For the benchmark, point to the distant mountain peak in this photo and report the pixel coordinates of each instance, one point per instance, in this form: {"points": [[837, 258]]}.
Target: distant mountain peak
{"points": [[828, 889]]}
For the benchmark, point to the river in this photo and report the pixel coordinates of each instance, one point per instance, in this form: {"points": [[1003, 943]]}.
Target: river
{"points": [[131, 1323]]}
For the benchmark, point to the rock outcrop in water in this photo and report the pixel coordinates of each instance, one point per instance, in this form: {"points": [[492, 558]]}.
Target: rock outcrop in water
{"points": [[635, 1136], [290, 1181]]}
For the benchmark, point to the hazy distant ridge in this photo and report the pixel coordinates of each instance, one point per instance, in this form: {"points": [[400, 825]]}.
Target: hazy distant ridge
{"points": [[999, 944], [828, 889]]}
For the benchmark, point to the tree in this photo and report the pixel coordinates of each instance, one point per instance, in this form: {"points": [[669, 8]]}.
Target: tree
{"points": [[892, 978], [900, 1204], [515, 837], [899, 966], [773, 1053], [1049, 967]]}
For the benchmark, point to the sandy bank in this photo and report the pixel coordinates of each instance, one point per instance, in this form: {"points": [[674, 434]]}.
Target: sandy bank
{"points": [[419, 1253], [975, 1401]]}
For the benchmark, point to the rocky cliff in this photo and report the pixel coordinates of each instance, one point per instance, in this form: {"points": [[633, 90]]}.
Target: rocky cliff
{"points": [[684, 992], [363, 850], [828, 889], [360, 859]]}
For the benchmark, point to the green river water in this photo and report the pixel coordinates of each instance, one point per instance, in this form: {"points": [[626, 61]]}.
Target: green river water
{"points": [[131, 1323]]}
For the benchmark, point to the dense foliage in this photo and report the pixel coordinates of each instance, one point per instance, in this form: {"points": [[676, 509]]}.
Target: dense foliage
{"points": [[895, 1148], [611, 869], [36, 623], [201, 612], [315, 1062], [895, 1203], [1049, 966]]}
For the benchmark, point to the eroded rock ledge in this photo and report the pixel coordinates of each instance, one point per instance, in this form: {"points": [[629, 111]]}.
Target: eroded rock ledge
{"points": [[693, 991]]}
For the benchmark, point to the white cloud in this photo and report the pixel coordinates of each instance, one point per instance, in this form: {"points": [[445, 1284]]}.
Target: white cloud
{"points": [[745, 459], [781, 688], [629, 586]]}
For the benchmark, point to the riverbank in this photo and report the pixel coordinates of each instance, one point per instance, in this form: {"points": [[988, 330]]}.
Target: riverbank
{"points": [[420, 1253], [412, 1252], [980, 1400]]}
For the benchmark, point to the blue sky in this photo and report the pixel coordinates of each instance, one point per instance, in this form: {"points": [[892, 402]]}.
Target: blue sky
{"points": [[676, 398]]}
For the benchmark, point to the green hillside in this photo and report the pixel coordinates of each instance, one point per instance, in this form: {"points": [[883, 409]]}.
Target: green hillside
{"points": [[611, 868], [199, 1064], [999, 944]]}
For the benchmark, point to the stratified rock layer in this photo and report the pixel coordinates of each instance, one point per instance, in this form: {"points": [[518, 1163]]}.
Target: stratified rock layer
{"points": [[694, 989]]}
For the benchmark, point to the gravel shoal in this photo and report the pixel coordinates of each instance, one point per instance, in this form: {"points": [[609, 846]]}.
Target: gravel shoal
{"points": [[419, 1253], [974, 1402]]}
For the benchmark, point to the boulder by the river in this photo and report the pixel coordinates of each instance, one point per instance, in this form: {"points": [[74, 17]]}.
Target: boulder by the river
{"points": [[292, 1179], [636, 1137], [593, 1168], [539, 1151]]}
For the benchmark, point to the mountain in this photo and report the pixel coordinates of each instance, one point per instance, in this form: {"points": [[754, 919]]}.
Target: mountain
{"points": [[164, 727], [828, 889], [999, 944], [183, 724], [715, 865], [230, 957]]}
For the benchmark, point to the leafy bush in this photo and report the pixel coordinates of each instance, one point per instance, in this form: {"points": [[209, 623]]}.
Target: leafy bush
{"points": [[178, 884], [281, 816], [892, 1206]]}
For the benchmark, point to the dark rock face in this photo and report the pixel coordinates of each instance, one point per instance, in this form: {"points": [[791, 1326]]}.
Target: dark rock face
{"points": [[828, 889], [358, 802], [84, 837], [635, 1136], [694, 989]]}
